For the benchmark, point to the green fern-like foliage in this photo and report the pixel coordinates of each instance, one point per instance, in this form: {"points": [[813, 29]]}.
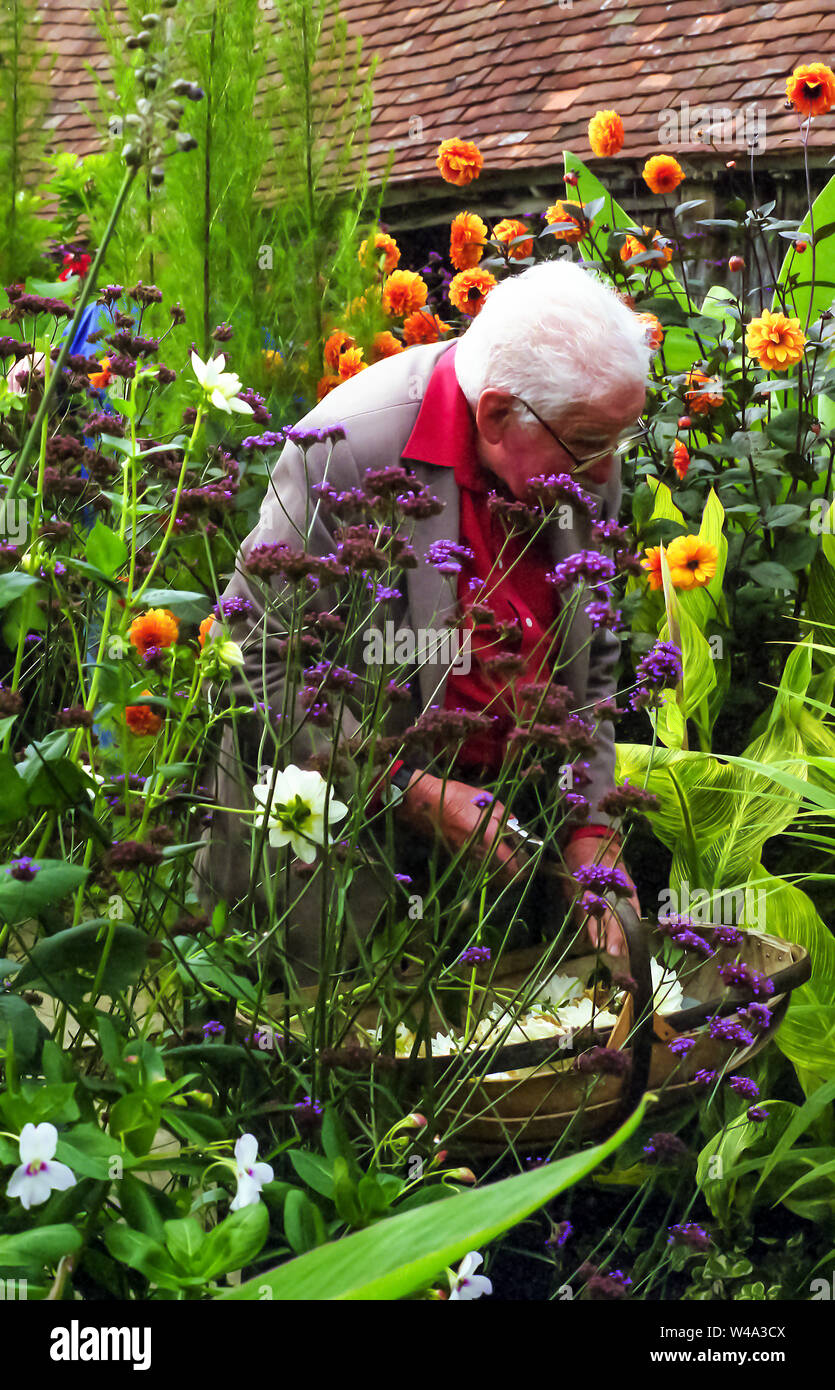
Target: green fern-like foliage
{"points": [[24, 102]]}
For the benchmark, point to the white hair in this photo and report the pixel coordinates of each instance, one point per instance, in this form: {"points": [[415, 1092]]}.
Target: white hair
{"points": [[555, 335]]}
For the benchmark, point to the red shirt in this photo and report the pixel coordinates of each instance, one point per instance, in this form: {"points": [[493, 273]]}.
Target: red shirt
{"points": [[512, 572]]}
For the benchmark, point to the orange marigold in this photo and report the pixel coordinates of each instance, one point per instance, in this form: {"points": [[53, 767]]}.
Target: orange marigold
{"points": [[811, 89], [652, 564], [662, 173], [654, 330], [335, 346], [325, 385], [466, 240], [204, 629], [350, 363], [403, 292], [459, 161], [702, 393], [777, 342], [385, 244], [156, 628], [142, 720], [681, 458], [469, 289], [692, 562], [633, 247], [423, 327], [102, 378], [570, 220], [385, 345], [606, 134], [507, 230]]}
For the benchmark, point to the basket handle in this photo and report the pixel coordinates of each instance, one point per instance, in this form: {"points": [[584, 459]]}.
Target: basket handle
{"points": [[641, 1041]]}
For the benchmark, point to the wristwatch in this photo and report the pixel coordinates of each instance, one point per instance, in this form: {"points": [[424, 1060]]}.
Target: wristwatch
{"points": [[397, 784]]}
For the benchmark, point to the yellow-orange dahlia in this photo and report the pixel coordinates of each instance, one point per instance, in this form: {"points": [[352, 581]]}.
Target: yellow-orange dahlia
{"points": [[351, 362], [403, 292], [385, 345], [469, 289], [681, 458], [466, 240], [156, 628], [606, 134], [662, 173], [692, 562], [103, 378], [335, 346], [633, 247], [203, 630], [654, 330], [385, 244], [702, 393], [423, 327], [652, 564], [777, 342], [570, 220], [459, 161], [325, 385], [142, 720], [506, 231], [811, 89]]}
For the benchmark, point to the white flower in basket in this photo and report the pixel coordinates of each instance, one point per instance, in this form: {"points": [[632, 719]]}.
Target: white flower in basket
{"points": [[296, 811]]}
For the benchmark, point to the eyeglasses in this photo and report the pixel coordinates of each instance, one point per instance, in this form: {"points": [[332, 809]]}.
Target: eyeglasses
{"points": [[618, 448]]}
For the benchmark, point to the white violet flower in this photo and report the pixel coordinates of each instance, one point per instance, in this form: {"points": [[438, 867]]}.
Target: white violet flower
{"points": [[667, 993], [221, 387], [251, 1174], [465, 1283], [296, 811], [38, 1174]]}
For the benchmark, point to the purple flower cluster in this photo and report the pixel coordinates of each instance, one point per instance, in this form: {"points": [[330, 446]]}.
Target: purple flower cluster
{"points": [[234, 607], [560, 1233], [445, 556], [728, 1030], [475, 955], [602, 879], [307, 1113], [681, 1046], [553, 488], [212, 1028], [23, 869], [727, 936], [689, 1234], [744, 1086], [661, 667], [601, 614], [758, 1015], [588, 565], [665, 1148]]}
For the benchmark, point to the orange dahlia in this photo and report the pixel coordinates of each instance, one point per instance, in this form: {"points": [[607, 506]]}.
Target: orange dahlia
{"points": [[570, 220], [142, 720], [681, 458], [385, 244], [335, 346], [204, 629], [466, 241], [385, 345], [699, 396], [506, 231], [606, 134], [156, 628], [460, 161], [662, 173], [653, 329], [325, 385], [811, 89], [350, 363], [469, 289], [102, 378], [633, 247], [403, 292], [692, 562], [777, 342], [652, 564], [422, 327]]}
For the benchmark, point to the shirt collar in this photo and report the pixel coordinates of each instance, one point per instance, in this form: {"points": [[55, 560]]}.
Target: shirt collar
{"points": [[444, 432]]}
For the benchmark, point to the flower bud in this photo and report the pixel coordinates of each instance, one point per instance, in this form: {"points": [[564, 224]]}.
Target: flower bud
{"points": [[461, 1175], [149, 21], [132, 155], [414, 1121], [572, 180], [684, 422], [736, 263]]}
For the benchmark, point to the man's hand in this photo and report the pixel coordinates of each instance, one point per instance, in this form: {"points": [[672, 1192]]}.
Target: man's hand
{"points": [[589, 849], [457, 819]]}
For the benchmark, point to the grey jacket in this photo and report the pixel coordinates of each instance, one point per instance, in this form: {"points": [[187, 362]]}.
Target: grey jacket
{"points": [[378, 408]]}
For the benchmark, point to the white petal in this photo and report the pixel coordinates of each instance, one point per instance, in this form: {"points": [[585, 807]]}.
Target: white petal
{"points": [[246, 1150], [218, 399], [60, 1176], [470, 1264], [262, 1172], [240, 407], [29, 1146]]}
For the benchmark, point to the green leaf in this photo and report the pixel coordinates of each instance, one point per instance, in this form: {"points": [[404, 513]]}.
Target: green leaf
{"points": [[14, 584], [45, 1245], [770, 575], [304, 1224], [803, 303], [58, 964], [189, 605], [19, 901], [236, 1240], [184, 1240], [135, 1118], [105, 550], [26, 1029], [142, 1252], [315, 1172], [408, 1251]]}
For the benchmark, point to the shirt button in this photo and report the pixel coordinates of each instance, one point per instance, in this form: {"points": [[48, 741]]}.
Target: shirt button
{"points": [[529, 622], [501, 566]]}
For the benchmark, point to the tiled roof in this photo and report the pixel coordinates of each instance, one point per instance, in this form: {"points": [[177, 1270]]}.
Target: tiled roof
{"points": [[522, 79]]}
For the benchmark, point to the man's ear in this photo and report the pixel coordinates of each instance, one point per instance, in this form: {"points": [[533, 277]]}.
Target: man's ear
{"points": [[493, 414]]}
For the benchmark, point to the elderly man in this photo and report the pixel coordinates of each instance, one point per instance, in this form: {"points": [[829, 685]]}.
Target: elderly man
{"points": [[547, 380]]}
